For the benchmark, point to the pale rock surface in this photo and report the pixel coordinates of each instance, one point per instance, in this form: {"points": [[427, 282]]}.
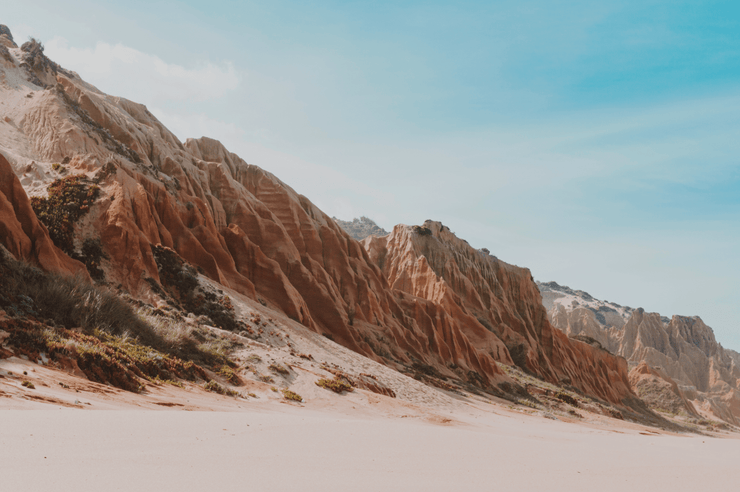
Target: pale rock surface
{"points": [[361, 228], [683, 348]]}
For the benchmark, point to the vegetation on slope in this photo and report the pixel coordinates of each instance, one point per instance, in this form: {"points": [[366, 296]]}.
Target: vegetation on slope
{"points": [[75, 323], [69, 199]]}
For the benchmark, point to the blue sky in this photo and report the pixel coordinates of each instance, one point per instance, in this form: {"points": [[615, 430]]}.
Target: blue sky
{"points": [[596, 144]]}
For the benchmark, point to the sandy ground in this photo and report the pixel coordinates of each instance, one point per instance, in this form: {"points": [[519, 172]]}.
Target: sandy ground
{"points": [[283, 447]]}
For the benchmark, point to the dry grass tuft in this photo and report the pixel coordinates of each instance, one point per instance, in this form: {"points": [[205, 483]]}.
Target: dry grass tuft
{"points": [[279, 369], [337, 385], [214, 387], [289, 395]]}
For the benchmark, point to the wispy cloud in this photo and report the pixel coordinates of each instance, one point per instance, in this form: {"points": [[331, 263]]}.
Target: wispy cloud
{"points": [[127, 72]]}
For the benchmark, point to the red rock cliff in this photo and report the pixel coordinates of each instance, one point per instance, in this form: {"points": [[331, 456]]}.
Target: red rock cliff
{"points": [[22, 234], [429, 301], [497, 305]]}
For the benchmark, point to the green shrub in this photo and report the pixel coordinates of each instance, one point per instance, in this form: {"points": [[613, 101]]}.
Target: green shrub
{"points": [[114, 335], [230, 375], [214, 387], [28, 384], [289, 395], [69, 199], [337, 385], [179, 280]]}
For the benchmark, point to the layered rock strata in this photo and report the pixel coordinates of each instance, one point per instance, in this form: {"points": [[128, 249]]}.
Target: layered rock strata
{"points": [[683, 348], [436, 308], [496, 305], [22, 234]]}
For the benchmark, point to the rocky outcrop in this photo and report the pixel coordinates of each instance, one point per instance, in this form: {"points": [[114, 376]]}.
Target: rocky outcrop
{"points": [[659, 391], [496, 306], [361, 228], [22, 234], [682, 348], [5, 31]]}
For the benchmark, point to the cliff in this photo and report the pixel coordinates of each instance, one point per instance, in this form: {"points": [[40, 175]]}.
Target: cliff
{"points": [[682, 348], [134, 201], [496, 306], [22, 234]]}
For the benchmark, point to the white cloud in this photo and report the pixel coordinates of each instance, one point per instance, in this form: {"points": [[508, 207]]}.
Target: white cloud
{"points": [[143, 77], [191, 125]]}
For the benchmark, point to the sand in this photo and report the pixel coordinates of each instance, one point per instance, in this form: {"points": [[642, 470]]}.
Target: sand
{"points": [[275, 446]]}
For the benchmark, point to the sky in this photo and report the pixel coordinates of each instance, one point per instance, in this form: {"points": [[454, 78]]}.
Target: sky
{"points": [[596, 143]]}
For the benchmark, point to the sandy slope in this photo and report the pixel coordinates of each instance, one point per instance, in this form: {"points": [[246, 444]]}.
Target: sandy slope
{"points": [[283, 447], [88, 436]]}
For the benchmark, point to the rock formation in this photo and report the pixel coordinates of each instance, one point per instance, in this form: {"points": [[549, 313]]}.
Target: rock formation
{"points": [[419, 300], [497, 307], [361, 228], [22, 234], [681, 348], [660, 391]]}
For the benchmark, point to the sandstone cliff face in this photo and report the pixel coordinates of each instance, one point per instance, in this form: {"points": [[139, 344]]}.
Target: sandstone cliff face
{"points": [[660, 391], [22, 234], [497, 306], [683, 348], [440, 308], [240, 225]]}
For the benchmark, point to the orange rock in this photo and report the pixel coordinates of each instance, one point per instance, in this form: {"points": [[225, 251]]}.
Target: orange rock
{"points": [[659, 391], [21, 232], [430, 302], [496, 306]]}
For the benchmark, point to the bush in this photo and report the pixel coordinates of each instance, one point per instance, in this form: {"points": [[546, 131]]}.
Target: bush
{"points": [[231, 376], [337, 385], [566, 398], [214, 387], [69, 199], [92, 254], [265, 378], [102, 357], [28, 384], [289, 395], [422, 231], [107, 320], [180, 280]]}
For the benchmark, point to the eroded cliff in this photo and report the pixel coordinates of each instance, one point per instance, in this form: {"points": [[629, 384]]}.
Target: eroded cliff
{"points": [[419, 300], [682, 348], [497, 307]]}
